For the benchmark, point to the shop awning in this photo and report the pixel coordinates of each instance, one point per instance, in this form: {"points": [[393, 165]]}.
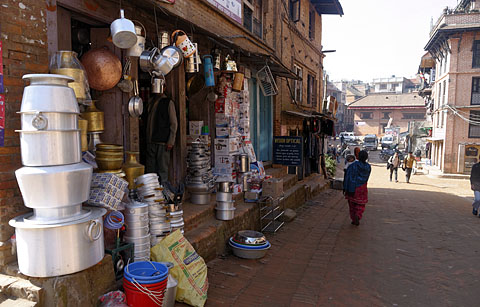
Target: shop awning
{"points": [[328, 7]]}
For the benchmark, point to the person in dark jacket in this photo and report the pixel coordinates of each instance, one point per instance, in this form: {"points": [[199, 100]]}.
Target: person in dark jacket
{"points": [[475, 184], [355, 186]]}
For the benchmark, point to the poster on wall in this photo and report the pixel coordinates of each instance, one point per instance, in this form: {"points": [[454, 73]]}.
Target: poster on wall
{"points": [[2, 101], [288, 150], [232, 8]]}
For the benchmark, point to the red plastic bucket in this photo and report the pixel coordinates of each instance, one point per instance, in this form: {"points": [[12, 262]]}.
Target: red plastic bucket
{"points": [[135, 297]]}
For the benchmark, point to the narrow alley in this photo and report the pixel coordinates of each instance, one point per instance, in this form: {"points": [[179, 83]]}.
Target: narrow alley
{"points": [[416, 246]]}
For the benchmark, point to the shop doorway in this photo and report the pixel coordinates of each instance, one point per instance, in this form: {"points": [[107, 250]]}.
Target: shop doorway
{"points": [[261, 122]]}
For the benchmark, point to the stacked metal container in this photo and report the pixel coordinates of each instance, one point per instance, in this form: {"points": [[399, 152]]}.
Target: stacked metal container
{"points": [[175, 214], [243, 170], [225, 209], [137, 222], [200, 180], [150, 192], [59, 237]]}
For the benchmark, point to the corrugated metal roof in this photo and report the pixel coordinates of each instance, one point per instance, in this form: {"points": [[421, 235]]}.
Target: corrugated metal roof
{"points": [[382, 100]]}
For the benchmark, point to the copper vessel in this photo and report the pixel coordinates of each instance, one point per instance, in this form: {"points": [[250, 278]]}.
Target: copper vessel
{"points": [[83, 125], [103, 68], [132, 168], [95, 118]]}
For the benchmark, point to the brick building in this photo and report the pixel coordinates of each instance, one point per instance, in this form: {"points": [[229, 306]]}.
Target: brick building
{"points": [[373, 112], [285, 35], [452, 87]]}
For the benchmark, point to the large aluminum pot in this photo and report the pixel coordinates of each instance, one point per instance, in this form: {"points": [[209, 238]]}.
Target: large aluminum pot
{"points": [[48, 121], [200, 198], [55, 186], [48, 93], [59, 249], [103, 68], [49, 148], [57, 215]]}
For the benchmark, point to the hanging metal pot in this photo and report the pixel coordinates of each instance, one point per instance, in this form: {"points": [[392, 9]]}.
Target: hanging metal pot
{"points": [[137, 49], [103, 68], [181, 40], [158, 85], [123, 32], [135, 104], [173, 55], [146, 59]]}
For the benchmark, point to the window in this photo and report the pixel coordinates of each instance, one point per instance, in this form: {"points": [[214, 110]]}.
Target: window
{"points": [[311, 90], [476, 54], [298, 84], [386, 115], [394, 87], [366, 115], [474, 130], [383, 86], [413, 116], [294, 10], [475, 91], [252, 16], [311, 24], [444, 90], [383, 127]]}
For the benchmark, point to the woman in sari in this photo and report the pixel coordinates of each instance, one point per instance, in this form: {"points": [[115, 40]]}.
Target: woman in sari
{"points": [[355, 186]]}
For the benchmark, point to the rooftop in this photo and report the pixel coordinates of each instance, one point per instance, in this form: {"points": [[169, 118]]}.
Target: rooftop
{"points": [[387, 100]]}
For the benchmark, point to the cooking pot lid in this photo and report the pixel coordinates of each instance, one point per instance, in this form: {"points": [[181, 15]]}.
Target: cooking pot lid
{"points": [[173, 54], [32, 219]]}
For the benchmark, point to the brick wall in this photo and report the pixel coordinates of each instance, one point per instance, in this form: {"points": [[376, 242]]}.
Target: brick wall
{"points": [[374, 125], [24, 39]]}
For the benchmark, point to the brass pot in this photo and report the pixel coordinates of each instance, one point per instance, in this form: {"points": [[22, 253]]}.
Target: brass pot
{"points": [[108, 154], [109, 147], [132, 168], [109, 163], [103, 68], [83, 125], [95, 118]]}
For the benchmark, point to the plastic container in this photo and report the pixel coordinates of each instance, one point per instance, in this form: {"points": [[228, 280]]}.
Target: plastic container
{"points": [[145, 295], [147, 272]]}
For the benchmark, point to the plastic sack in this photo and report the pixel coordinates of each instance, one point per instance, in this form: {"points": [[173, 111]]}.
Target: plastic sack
{"points": [[189, 268]]}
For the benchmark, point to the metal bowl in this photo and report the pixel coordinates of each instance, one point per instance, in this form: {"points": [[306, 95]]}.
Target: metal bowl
{"points": [[249, 237], [109, 163], [109, 147], [249, 253]]}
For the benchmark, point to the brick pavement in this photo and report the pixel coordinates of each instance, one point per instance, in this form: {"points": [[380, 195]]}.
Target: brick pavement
{"points": [[416, 246]]}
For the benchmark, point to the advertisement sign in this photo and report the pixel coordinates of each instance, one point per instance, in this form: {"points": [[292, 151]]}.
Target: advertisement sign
{"points": [[288, 150], [232, 8]]}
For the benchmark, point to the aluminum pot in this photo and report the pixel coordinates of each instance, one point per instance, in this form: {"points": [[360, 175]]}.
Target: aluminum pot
{"points": [[57, 215], [222, 196], [48, 93], [59, 249], [123, 32], [225, 186], [48, 121], [136, 218], [54, 186], [136, 232], [52, 147], [225, 214], [225, 205], [200, 199], [136, 208], [137, 240], [154, 240], [137, 49]]}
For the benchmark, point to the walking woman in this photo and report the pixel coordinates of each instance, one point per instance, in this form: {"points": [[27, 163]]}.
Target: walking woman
{"points": [[475, 184], [394, 163], [355, 186]]}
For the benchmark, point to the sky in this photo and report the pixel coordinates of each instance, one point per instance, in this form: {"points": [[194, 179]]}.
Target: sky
{"points": [[378, 38]]}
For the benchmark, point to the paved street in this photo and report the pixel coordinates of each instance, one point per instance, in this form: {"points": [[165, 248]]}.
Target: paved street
{"points": [[418, 245]]}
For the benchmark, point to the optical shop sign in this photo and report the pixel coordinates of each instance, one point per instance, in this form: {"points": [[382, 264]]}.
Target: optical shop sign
{"points": [[232, 8], [288, 150]]}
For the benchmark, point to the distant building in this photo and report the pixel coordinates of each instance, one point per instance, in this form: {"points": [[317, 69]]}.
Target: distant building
{"points": [[351, 91], [373, 112], [392, 85], [451, 87], [332, 90]]}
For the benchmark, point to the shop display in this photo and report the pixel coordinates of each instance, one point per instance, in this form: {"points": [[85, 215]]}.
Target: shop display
{"points": [[200, 180], [59, 237], [103, 68], [66, 63], [123, 32]]}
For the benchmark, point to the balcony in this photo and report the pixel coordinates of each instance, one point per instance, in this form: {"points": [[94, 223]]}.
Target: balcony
{"points": [[456, 20]]}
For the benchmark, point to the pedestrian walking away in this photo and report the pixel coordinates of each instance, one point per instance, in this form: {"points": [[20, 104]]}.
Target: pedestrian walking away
{"points": [[475, 185], [355, 186], [393, 164], [408, 165]]}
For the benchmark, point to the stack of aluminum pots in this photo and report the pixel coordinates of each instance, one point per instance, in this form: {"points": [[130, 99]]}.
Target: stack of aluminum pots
{"points": [[59, 237], [243, 170], [200, 181], [225, 209], [150, 192], [137, 222], [175, 214]]}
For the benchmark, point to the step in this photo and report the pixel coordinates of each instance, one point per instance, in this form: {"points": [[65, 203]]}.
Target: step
{"points": [[17, 287], [289, 181], [16, 302]]}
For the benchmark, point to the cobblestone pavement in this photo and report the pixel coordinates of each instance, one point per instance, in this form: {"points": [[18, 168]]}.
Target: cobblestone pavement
{"points": [[418, 245]]}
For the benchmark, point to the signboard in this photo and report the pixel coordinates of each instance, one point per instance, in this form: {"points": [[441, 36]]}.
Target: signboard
{"points": [[288, 150], [232, 8]]}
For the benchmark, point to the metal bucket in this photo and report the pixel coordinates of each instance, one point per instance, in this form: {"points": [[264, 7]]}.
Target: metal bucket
{"points": [[223, 196], [48, 121], [137, 240], [225, 215], [136, 232], [225, 205]]}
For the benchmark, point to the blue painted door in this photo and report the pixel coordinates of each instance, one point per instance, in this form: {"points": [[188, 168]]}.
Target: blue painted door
{"points": [[261, 122]]}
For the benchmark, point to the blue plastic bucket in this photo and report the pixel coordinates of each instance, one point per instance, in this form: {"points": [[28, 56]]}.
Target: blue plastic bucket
{"points": [[146, 272]]}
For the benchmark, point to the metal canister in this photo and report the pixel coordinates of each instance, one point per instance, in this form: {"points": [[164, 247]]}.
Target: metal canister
{"points": [[163, 40], [243, 163]]}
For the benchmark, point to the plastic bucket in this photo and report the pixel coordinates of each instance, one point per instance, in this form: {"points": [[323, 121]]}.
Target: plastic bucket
{"points": [[145, 295], [146, 272]]}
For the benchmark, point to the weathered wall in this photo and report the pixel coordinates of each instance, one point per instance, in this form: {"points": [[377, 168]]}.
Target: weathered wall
{"points": [[24, 39], [373, 126]]}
